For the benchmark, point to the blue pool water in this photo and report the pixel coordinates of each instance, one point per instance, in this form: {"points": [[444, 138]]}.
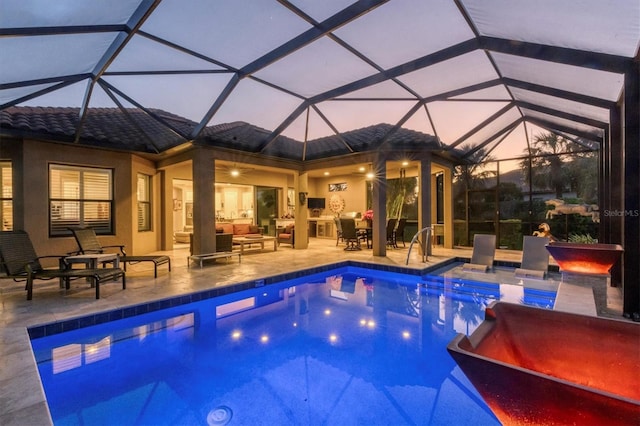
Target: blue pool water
{"points": [[350, 346]]}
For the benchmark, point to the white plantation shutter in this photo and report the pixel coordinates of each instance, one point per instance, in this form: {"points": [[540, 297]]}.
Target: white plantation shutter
{"points": [[80, 196], [6, 196], [144, 202]]}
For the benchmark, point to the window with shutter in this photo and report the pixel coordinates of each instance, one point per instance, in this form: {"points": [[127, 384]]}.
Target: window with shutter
{"points": [[6, 196], [80, 196], [144, 202]]}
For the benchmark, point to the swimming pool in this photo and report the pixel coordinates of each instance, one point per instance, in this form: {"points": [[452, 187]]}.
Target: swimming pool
{"points": [[347, 346]]}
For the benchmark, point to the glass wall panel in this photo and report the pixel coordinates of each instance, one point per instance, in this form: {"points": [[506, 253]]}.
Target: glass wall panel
{"points": [[563, 123], [43, 13], [475, 201], [612, 30], [561, 104], [51, 56], [574, 212], [7, 95], [232, 32], [320, 66], [558, 185], [267, 208], [423, 31], [494, 127], [461, 71], [513, 201], [602, 84]]}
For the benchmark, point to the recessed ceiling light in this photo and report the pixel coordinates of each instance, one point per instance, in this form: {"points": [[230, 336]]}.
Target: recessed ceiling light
{"points": [[235, 173], [405, 163], [361, 169], [326, 173]]}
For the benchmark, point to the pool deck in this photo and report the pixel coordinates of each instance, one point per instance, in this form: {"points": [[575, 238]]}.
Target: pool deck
{"points": [[22, 399]]}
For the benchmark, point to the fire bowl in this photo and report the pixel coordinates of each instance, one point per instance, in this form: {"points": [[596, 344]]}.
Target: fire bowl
{"points": [[585, 258], [537, 366]]}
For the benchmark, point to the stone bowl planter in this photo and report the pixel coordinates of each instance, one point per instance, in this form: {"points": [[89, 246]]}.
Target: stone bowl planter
{"points": [[585, 258]]}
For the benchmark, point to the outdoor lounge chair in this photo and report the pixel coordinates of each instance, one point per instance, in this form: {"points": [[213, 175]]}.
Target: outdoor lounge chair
{"points": [[484, 250], [535, 258], [20, 262], [88, 243]]}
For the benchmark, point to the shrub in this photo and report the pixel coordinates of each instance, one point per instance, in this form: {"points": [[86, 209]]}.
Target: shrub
{"points": [[582, 239]]}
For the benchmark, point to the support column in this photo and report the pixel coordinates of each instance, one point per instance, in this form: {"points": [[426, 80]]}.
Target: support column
{"points": [[424, 207], [448, 207], [379, 205], [614, 182], [204, 227], [166, 210], [301, 185], [603, 191], [631, 283]]}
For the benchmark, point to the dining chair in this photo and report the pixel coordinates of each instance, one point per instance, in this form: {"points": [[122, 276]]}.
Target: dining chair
{"points": [[350, 234]]}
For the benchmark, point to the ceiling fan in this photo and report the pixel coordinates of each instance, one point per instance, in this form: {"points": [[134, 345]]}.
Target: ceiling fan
{"points": [[232, 170]]}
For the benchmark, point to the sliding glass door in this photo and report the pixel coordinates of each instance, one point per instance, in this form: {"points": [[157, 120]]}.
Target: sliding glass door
{"points": [[267, 208]]}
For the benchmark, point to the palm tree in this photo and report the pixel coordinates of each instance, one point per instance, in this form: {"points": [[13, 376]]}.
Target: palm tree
{"points": [[470, 176], [583, 175], [473, 175], [547, 162]]}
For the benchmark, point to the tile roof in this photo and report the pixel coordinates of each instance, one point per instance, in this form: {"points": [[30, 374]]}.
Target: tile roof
{"points": [[135, 130]]}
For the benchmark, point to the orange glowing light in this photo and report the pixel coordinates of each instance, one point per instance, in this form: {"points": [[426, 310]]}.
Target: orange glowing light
{"points": [[585, 258], [543, 370]]}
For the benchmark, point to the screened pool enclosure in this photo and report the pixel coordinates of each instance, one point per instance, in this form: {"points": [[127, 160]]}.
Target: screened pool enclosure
{"points": [[293, 80]]}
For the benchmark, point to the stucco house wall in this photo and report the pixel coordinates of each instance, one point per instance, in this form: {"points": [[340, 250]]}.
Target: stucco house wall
{"points": [[30, 163]]}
